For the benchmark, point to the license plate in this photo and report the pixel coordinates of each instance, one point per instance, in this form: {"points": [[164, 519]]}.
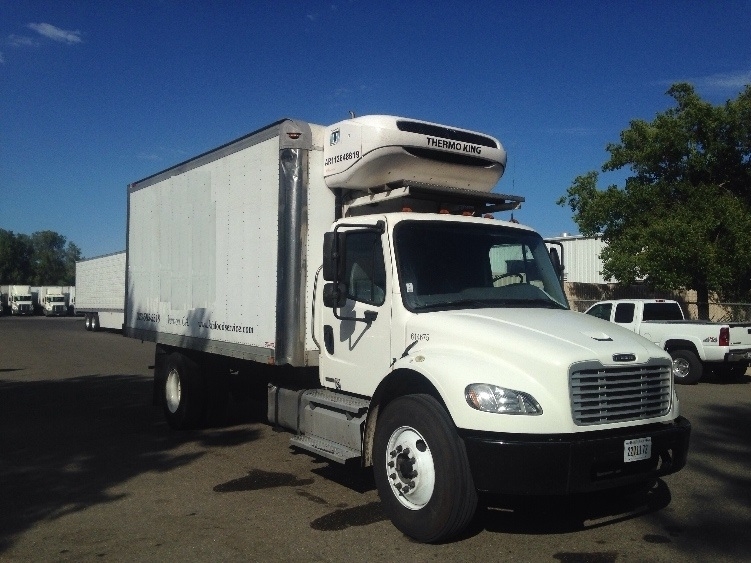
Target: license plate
{"points": [[634, 450]]}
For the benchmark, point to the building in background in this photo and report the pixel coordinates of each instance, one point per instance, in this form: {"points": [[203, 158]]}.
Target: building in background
{"points": [[581, 258]]}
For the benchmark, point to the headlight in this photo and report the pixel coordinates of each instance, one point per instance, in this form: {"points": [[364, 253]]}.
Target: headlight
{"points": [[491, 398]]}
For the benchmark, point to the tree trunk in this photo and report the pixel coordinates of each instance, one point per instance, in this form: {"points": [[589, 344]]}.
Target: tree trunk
{"points": [[702, 302]]}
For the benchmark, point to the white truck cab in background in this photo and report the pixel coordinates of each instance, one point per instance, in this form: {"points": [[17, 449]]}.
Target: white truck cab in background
{"points": [[53, 301], [356, 274], [20, 300]]}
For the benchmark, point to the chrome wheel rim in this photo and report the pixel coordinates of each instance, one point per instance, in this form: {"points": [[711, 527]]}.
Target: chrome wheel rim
{"points": [[410, 468], [681, 367], [172, 391]]}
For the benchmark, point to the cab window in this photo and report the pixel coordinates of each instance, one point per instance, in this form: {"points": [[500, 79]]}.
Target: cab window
{"points": [[365, 270], [624, 313], [601, 311]]}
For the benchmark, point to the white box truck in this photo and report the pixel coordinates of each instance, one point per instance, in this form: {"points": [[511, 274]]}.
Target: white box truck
{"points": [[20, 300], [357, 272], [53, 301], [100, 291]]}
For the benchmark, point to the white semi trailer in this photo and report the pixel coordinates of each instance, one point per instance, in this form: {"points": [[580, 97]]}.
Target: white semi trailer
{"points": [[100, 291], [357, 272]]}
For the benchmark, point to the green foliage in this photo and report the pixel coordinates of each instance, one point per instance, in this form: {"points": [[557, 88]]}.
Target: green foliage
{"points": [[683, 218], [43, 258]]}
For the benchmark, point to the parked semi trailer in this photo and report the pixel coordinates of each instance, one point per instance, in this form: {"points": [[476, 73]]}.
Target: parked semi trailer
{"points": [[100, 291], [358, 273]]}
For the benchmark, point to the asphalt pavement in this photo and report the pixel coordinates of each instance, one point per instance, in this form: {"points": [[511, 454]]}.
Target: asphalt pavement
{"points": [[89, 471]]}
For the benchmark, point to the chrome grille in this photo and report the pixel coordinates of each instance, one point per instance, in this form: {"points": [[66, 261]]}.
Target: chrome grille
{"points": [[601, 395]]}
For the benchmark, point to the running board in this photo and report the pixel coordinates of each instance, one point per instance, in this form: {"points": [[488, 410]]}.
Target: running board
{"points": [[326, 423], [324, 448]]}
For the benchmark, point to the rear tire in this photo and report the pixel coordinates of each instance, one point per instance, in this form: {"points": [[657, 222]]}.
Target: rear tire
{"points": [[87, 322], [687, 368], [184, 397], [94, 322], [421, 470]]}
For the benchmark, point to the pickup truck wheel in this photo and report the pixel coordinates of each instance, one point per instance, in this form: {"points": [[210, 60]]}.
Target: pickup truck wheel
{"points": [[184, 399], [687, 369], [421, 470]]}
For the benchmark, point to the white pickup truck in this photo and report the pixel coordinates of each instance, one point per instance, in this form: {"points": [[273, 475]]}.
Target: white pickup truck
{"points": [[694, 345]]}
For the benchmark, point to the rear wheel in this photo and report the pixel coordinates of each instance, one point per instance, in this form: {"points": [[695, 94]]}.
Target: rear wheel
{"points": [[94, 322], [184, 399], [87, 322], [687, 368], [421, 470]]}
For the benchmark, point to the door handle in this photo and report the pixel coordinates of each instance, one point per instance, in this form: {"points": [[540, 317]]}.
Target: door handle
{"points": [[328, 338]]}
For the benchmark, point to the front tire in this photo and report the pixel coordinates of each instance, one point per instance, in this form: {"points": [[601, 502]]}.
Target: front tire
{"points": [[184, 397], [421, 470], [687, 368]]}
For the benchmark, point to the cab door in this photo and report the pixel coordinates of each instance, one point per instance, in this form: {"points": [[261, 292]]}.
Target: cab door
{"points": [[355, 337]]}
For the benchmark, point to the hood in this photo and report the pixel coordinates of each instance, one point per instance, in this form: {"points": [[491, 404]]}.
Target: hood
{"points": [[532, 336]]}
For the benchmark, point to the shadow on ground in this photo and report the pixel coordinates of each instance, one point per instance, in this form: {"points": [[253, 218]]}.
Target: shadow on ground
{"points": [[64, 444]]}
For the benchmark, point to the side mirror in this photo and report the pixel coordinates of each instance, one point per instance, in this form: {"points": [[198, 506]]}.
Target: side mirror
{"points": [[557, 265], [334, 295], [334, 246]]}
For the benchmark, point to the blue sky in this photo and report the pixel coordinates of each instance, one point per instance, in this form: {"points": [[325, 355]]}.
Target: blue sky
{"points": [[97, 94]]}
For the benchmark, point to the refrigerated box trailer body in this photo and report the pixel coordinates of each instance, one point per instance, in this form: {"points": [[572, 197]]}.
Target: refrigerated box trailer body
{"points": [[100, 291], [356, 272]]}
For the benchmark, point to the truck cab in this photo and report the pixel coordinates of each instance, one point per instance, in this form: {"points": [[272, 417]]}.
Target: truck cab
{"points": [[20, 300], [53, 302]]}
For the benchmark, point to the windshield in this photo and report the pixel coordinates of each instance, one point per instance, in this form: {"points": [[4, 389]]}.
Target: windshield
{"points": [[57, 299], [446, 265]]}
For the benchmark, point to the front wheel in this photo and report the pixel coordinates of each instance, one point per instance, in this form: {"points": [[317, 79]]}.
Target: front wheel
{"points": [[687, 368], [421, 470]]}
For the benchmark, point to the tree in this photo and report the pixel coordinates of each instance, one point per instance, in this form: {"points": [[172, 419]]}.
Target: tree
{"points": [[72, 255], [683, 218], [48, 267], [15, 257], [40, 259]]}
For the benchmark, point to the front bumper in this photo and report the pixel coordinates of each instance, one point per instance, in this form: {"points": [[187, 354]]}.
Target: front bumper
{"points": [[533, 464]]}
